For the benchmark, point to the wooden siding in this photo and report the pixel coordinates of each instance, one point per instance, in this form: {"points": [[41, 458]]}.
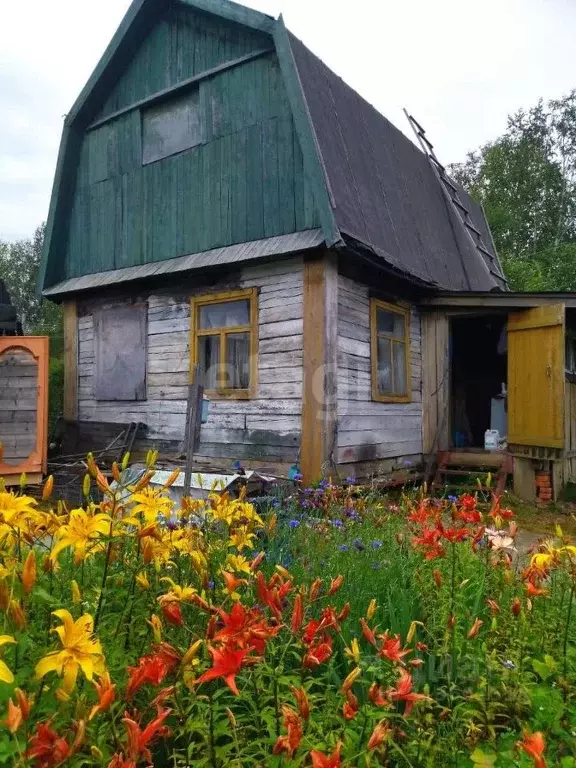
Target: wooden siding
{"points": [[265, 428], [244, 182], [368, 430]]}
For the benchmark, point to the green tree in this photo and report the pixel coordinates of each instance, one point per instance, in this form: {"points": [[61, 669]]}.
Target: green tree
{"points": [[526, 181]]}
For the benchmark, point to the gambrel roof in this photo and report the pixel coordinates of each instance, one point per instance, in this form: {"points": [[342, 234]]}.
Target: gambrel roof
{"points": [[374, 190]]}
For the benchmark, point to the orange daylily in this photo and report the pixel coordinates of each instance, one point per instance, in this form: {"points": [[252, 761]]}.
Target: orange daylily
{"points": [[377, 696], [173, 614], [139, 740], [297, 614], [226, 664], [29, 572], [534, 746], [533, 591], [152, 669], [321, 760], [379, 735], [391, 649], [350, 708], [335, 585], [403, 692], [475, 628], [368, 633], [350, 679], [14, 719], [302, 701], [291, 741], [106, 694]]}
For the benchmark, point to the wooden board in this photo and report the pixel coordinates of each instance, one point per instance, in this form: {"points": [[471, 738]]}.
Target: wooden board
{"points": [[435, 381], [536, 386], [120, 353], [70, 406]]}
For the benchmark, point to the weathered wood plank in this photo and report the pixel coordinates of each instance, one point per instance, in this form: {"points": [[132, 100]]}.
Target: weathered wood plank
{"points": [[71, 336]]}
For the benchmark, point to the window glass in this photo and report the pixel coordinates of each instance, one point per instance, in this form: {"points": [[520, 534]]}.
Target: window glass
{"points": [[171, 126], [227, 314], [399, 368], [390, 323], [385, 366], [209, 359], [238, 360]]}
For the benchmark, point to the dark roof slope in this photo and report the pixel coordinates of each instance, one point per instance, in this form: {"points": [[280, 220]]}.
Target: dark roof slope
{"points": [[385, 193]]}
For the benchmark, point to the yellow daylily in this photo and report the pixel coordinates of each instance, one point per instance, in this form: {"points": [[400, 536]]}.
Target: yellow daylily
{"points": [[238, 564], [76, 594], [83, 533], [177, 594], [6, 675], [353, 652], [142, 580], [17, 514], [242, 538], [156, 625], [80, 651], [151, 503]]}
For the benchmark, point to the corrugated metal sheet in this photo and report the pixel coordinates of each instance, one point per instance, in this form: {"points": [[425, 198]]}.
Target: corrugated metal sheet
{"points": [[257, 249], [386, 195]]}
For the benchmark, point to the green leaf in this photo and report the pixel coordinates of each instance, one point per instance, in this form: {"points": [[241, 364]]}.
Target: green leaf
{"points": [[483, 759]]}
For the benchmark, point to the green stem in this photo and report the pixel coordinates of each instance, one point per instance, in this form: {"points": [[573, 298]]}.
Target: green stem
{"points": [[566, 631]]}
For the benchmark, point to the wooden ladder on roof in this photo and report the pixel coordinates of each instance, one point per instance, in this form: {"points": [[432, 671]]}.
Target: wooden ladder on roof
{"points": [[477, 465], [451, 191]]}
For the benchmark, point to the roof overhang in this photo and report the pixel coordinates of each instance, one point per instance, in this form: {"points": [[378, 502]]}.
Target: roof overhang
{"points": [[498, 300], [282, 245]]}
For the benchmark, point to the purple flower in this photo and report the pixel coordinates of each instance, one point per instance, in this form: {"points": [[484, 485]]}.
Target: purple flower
{"points": [[323, 484], [376, 544], [359, 546], [351, 480], [294, 523], [305, 504], [453, 499], [337, 523], [343, 547], [275, 502], [211, 585], [297, 476]]}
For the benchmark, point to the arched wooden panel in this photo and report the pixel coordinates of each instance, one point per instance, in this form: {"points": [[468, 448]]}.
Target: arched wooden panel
{"points": [[23, 405]]}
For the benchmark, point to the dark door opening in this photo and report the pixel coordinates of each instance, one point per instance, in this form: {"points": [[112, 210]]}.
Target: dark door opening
{"points": [[478, 361]]}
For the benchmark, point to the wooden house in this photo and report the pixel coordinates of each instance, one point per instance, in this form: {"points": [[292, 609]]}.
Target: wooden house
{"points": [[223, 198]]}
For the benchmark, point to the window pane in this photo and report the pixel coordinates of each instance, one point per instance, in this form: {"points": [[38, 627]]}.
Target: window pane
{"points": [[171, 126], [384, 366], [390, 323], [209, 359], [227, 314], [237, 361], [400, 387]]}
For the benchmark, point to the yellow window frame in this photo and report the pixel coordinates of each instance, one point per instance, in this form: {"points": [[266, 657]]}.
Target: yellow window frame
{"points": [[397, 309], [252, 328]]}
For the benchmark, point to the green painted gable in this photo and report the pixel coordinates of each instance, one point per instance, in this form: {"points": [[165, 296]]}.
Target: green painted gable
{"points": [[244, 182]]}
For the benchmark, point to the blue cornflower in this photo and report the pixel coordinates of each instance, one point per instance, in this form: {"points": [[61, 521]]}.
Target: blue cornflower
{"points": [[337, 523], [351, 480], [453, 499], [343, 547], [308, 491], [211, 584], [509, 664], [275, 503], [375, 566], [305, 504], [359, 546], [297, 476], [323, 484], [354, 515], [294, 523], [376, 544]]}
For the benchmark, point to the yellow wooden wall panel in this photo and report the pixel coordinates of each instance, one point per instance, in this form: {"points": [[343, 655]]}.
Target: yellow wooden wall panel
{"points": [[536, 397]]}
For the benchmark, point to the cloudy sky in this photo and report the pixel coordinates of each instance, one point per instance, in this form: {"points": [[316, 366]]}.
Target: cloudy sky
{"points": [[459, 65]]}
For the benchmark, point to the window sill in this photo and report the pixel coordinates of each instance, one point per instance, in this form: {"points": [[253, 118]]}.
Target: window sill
{"points": [[229, 394], [391, 398]]}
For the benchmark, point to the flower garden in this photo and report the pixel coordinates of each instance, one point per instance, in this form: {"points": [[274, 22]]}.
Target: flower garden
{"points": [[326, 627]]}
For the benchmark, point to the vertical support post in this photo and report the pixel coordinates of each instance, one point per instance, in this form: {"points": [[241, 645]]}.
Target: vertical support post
{"points": [[70, 406], [193, 425], [319, 394], [524, 476]]}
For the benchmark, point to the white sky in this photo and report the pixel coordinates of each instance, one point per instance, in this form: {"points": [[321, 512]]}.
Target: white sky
{"points": [[459, 65]]}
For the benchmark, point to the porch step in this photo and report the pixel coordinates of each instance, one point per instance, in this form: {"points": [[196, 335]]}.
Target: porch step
{"points": [[478, 464]]}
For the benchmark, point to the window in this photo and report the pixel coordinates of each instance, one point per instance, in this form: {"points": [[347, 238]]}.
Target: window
{"points": [[390, 352], [224, 342], [171, 126]]}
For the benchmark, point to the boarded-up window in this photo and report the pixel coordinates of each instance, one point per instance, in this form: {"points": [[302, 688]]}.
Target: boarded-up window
{"points": [[120, 353], [171, 126]]}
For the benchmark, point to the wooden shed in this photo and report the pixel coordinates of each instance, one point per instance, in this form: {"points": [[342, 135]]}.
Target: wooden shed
{"points": [[223, 198]]}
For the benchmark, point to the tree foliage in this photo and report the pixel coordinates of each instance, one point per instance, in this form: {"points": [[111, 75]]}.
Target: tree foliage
{"points": [[526, 181], [19, 265]]}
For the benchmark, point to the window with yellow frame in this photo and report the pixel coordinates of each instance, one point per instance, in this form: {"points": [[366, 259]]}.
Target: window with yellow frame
{"points": [[390, 352], [224, 342]]}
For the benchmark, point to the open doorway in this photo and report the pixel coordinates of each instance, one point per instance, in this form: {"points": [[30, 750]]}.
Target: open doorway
{"points": [[478, 364]]}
